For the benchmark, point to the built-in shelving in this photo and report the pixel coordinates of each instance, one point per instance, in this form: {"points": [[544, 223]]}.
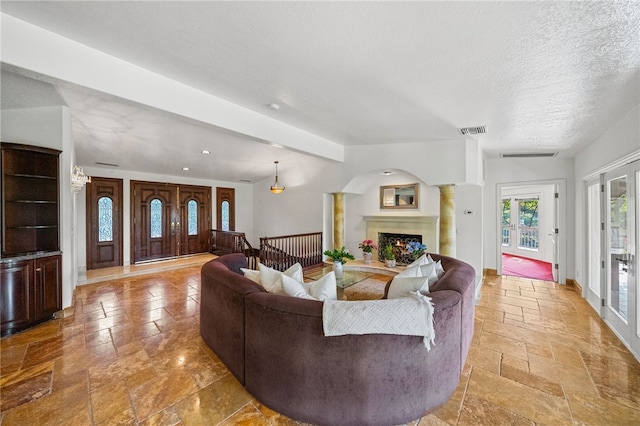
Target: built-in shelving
{"points": [[31, 262]]}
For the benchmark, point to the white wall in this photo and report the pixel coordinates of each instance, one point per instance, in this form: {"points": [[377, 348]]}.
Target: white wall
{"points": [[621, 141], [243, 196], [306, 204], [50, 127], [469, 235]]}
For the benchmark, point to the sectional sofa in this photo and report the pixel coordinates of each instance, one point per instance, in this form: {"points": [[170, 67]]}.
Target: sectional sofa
{"points": [[275, 346]]}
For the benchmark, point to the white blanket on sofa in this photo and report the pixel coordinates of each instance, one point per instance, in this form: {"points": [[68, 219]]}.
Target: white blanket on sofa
{"points": [[411, 316]]}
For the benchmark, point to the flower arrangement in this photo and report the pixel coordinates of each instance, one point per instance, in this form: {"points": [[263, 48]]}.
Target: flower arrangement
{"points": [[367, 246], [339, 255], [416, 249]]}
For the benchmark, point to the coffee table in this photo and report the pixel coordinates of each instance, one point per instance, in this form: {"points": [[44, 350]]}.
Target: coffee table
{"points": [[349, 278]]}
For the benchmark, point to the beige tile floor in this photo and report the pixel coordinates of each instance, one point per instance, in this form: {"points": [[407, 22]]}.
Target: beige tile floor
{"points": [[131, 353]]}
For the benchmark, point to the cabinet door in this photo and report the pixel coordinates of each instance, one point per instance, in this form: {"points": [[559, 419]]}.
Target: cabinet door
{"points": [[48, 275], [17, 301]]}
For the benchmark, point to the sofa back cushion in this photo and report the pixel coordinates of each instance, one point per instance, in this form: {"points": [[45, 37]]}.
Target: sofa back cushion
{"points": [[222, 309]]}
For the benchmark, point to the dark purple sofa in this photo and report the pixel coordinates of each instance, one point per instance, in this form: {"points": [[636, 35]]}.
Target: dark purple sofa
{"points": [[274, 345]]}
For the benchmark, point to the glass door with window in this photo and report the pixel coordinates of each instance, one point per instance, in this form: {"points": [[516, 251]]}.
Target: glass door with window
{"points": [[169, 220], [621, 299], [520, 227]]}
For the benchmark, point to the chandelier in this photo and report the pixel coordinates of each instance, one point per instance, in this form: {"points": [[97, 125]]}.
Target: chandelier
{"points": [[78, 179], [276, 188]]}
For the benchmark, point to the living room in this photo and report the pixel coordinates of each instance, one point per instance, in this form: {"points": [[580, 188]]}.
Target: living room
{"points": [[38, 64]]}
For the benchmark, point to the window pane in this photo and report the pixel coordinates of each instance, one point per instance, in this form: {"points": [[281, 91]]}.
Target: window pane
{"points": [[225, 215], [506, 222], [528, 225], [192, 217], [620, 247], [593, 239], [105, 219], [156, 218]]}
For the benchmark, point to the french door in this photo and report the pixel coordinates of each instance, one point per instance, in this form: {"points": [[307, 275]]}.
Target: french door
{"points": [[169, 220], [622, 191], [521, 227]]}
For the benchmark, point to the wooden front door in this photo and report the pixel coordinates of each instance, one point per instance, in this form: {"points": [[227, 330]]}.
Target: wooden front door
{"points": [[104, 223], [195, 219], [169, 220], [154, 220]]}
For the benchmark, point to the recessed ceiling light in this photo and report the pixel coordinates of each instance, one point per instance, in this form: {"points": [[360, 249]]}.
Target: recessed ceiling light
{"points": [[186, 169], [274, 106], [204, 151], [387, 172]]}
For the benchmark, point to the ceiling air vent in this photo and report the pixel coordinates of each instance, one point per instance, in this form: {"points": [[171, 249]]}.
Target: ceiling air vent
{"points": [[100, 163], [529, 155], [476, 130]]}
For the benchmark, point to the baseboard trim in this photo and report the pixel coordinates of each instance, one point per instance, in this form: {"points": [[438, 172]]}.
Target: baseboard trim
{"points": [[573, 283], [490, 272]]}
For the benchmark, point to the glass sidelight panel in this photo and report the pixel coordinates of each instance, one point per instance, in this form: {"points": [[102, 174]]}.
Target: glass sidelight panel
{"points": [[156, 218], [619, 247], [105, 219], [225, 215], [192, 217]]}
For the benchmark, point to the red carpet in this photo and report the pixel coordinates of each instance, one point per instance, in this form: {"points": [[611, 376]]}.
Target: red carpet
{"points": [[516, 266]]}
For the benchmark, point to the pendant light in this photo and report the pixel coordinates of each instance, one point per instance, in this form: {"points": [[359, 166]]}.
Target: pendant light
{"points": [[276, 188]]}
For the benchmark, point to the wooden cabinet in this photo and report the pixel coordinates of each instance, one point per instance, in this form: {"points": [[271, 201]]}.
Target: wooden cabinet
{"points": [[18, 303], [31, 291], [30, 287]]}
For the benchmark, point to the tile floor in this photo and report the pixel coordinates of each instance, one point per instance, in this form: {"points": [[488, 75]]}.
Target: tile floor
{"points": [[131, 353]]}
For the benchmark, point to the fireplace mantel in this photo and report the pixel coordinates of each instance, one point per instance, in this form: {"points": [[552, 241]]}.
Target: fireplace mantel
{"points": [[427, 226]]}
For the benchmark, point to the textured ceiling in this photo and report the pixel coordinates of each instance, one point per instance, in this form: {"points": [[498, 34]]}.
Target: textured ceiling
{"points": [[542, 76]]}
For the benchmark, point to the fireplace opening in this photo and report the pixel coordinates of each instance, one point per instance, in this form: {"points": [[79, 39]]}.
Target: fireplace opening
{"points": [[399, 243]]}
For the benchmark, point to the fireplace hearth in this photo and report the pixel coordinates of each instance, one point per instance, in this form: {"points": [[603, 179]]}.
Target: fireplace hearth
{"points": [[399, 243]]}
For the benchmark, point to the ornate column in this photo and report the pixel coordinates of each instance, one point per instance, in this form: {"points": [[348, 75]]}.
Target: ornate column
{"points": [[448, 220], [338, 219]]}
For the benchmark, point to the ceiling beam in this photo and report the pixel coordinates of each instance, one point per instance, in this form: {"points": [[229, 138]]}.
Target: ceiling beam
{"points": [[35, 49]]}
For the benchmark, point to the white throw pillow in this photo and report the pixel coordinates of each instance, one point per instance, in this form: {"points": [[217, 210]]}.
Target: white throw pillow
{"points": [[252, 274], [270, 278], [422, 260], [325, 288], [410, 272], [429, 271], [404, 286], [322, 289], [295, 288]]}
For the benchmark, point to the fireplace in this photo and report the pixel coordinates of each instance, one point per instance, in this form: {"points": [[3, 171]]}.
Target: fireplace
{"points": [[423, 228], [399, 243]]}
